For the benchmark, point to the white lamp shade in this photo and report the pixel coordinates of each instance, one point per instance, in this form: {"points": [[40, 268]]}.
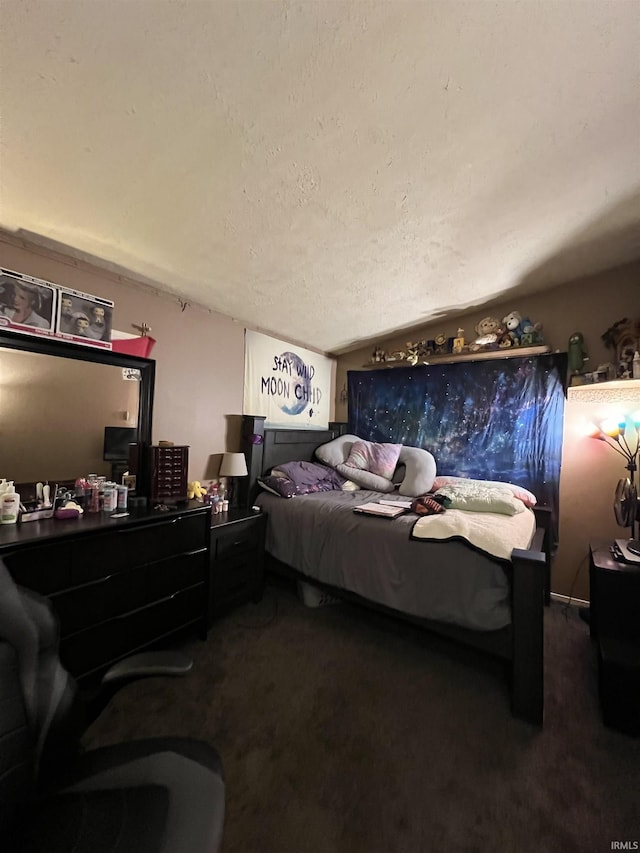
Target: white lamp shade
{"points": [[233, 465]]}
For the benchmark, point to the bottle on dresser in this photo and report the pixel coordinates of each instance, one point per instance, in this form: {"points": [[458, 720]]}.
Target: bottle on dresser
{"points": [[214, 498], [9, 504]]}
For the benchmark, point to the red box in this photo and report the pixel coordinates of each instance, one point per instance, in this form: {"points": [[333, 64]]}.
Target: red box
{"points": [[134, 346]]}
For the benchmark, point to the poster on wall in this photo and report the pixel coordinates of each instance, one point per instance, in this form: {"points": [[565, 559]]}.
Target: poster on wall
{"points": [[289, 385], [32, 306], [27, 305]]}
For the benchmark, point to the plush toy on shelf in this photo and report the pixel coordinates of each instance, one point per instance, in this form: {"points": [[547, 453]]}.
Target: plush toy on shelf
{"points": [[490, 333], [195, 490], [576, 353], [513, 325]]}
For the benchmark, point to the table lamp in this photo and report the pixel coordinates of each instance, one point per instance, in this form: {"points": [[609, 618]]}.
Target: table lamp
{"points": [[233, 465]]}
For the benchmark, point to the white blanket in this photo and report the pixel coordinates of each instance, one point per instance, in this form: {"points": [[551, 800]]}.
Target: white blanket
{"points": [[491, 532]]}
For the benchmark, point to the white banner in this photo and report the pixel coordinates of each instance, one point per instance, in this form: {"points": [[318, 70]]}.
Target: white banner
{"points": [[290, 385]]}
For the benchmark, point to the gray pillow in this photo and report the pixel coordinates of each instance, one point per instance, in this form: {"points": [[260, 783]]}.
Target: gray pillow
{"points": [[336, 452], [365, 479], [420, 471]]}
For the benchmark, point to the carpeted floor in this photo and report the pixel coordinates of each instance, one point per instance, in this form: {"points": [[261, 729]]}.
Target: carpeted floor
{"points": [[344, 731]]}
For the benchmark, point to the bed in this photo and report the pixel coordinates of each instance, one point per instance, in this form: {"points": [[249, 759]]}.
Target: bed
{"points": [[494, 605]]}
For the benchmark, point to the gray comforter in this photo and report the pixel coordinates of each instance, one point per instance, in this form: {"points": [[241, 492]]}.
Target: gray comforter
{"points": [[321, 536]]}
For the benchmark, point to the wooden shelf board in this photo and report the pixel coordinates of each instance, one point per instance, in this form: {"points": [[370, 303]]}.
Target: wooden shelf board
{"points": [[450, 358]]}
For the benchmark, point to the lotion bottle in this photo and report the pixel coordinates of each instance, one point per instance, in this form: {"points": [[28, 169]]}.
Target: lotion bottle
{"points": [[9, 506], [636, 365]]}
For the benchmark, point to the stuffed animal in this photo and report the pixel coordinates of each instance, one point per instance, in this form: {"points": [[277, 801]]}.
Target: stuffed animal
{"points": [[531, 333], [490, 332], [513, 325], [577, 354], [195, 490]]}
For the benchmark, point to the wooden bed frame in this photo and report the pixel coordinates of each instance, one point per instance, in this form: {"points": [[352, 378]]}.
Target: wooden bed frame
{"points": [[520, 644]]}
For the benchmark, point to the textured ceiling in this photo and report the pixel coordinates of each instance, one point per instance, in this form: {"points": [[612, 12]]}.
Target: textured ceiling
{"points": [[329, 171]]}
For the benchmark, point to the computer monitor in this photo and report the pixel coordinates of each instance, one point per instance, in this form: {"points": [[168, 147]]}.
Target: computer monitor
{"points": [[116, 442]]}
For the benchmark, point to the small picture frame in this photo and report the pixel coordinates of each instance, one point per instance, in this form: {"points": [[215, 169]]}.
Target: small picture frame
{"points": [[129, 480], [27, 304], [84, 319]]}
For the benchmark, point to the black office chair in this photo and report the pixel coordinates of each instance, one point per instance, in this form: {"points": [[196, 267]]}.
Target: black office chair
{"points": [[148, 796]]}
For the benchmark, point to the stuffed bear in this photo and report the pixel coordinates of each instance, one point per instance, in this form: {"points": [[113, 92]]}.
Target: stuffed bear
{"points": [[490, 332], [195, 490]]}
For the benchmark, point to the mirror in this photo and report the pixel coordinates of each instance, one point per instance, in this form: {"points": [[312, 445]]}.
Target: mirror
{"points": [[55, 401]]}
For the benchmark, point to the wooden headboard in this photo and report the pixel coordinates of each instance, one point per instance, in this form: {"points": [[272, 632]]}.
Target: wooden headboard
{"points": [[265, 448]]}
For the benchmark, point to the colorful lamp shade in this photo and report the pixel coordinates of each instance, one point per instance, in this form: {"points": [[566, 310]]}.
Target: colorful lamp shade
{"points": [[623, 436]]}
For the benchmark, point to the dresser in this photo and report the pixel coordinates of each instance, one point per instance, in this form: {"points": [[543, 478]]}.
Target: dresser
{"points": [[615, 629], [117, 585], [237, 559]]}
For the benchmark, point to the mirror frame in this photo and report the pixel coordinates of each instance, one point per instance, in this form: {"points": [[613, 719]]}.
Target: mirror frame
{"points": [[62, 349]]}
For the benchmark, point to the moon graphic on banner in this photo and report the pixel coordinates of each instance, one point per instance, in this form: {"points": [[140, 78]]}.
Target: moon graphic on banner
{"points": [[301, 373]]}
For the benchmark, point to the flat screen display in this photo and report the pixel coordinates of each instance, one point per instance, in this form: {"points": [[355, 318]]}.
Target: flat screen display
{"points": [[116, 442]]}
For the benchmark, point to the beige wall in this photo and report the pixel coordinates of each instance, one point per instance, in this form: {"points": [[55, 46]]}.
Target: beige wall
{"points": [[589, 472]]}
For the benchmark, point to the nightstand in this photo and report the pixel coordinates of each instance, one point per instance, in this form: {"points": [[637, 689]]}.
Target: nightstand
{"points": [[615, 627], [237, 559]]}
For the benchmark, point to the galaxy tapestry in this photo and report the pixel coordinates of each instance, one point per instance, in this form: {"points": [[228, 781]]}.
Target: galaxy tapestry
{"points": [[497, 419]]}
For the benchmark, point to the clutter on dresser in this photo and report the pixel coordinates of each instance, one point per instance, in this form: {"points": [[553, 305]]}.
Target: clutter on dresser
{"points": [[42, 507], [9, 502]]}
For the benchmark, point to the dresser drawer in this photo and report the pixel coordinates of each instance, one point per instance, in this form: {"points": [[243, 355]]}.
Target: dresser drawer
{"points": [[102, 644], [125, 548], [234, 575], [241, 538], [168, 576], [44, 569], [121, 592], [100, 600]]}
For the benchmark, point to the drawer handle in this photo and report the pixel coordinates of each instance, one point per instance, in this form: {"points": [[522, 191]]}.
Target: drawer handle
{"points": [[129, 531]]}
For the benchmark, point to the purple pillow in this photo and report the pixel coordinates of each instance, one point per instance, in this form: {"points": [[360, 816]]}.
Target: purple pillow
{"points": [[380, 459], [281, 486], [286, 488], [305, 474]]}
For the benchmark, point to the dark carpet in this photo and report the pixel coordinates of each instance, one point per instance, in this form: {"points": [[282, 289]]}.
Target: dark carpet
{"points": [[343, 730]]}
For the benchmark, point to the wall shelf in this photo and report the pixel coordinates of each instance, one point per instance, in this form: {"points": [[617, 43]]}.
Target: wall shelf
{"points": [[451, 358]]}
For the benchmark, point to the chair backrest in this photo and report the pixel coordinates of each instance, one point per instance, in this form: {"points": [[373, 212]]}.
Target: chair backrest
{"points": [[17, 745], [37, 695]]}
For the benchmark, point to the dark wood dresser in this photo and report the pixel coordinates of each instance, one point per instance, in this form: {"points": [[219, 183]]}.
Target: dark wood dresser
{"points": [[615, 628], [118, 585], [237, 559]]}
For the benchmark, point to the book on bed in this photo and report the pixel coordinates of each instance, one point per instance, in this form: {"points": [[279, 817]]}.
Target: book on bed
{"points": [[386, 510]]}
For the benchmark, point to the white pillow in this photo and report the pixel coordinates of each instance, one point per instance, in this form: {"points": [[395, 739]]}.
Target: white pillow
{"points": [[527, 497], [420, 471], [365, 479], [337, 451]]}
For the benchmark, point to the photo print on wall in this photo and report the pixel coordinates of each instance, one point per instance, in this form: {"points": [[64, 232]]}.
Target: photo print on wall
{"points": [[27, 305], [33, 306], [84, 319]]}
